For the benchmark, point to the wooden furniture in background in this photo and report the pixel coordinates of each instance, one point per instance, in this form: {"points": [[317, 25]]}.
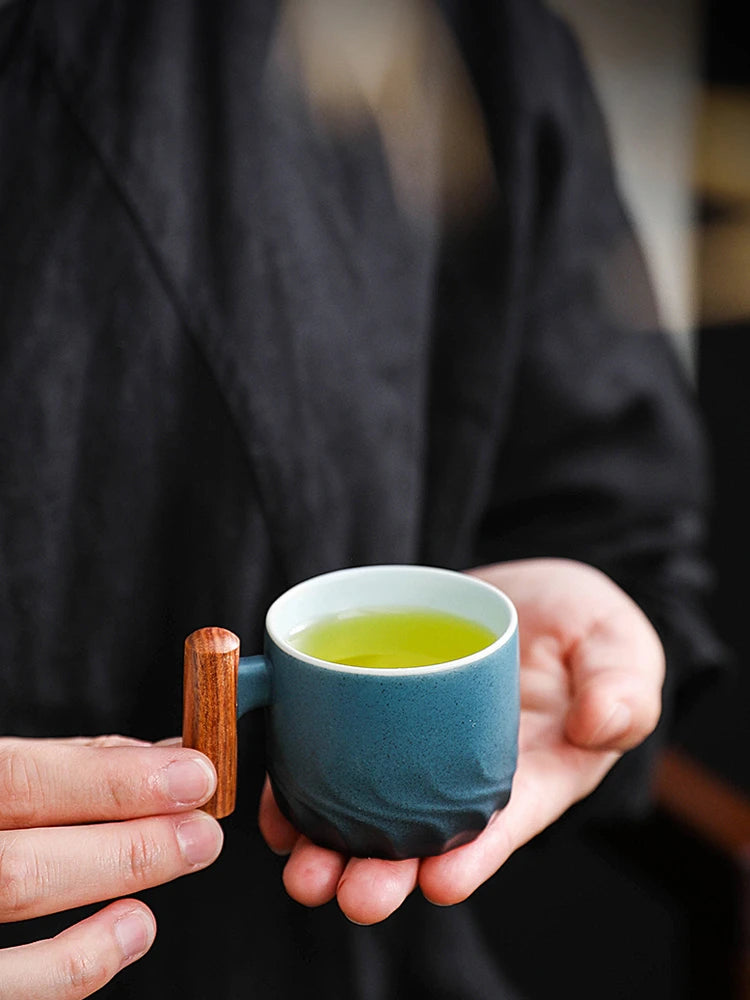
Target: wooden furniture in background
{"points": [[717, 813]]}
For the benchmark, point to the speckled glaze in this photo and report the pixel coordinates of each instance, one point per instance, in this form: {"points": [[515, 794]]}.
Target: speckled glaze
{"points": [[388, 763]]}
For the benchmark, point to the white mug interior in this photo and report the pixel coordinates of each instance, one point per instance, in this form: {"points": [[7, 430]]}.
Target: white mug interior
{"points": [[389, 586]]}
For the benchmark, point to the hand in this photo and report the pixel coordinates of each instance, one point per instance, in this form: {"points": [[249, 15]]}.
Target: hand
{"points": [[88, 820], [592, 669]]}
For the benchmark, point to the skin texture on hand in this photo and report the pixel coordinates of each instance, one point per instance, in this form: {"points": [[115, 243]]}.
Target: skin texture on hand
{"points": [[83, 821], [592, 670]]}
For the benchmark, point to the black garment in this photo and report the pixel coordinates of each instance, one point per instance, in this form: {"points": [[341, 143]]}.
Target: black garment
{"points": [[229, 360]]}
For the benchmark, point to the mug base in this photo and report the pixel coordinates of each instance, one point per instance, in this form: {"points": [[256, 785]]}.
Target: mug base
{"points": [[357, 838]]}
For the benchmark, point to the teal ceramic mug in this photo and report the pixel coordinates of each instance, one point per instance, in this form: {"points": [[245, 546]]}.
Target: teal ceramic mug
{"points": [[375, 762]]}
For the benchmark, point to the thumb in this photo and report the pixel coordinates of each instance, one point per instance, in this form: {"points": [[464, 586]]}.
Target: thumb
{"points": [[617, 673]]}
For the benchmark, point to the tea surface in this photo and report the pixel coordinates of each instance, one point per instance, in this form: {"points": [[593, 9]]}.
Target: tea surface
{"points": [[392, 638]]}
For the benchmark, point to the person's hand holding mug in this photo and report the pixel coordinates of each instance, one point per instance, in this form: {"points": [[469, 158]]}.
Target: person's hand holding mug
{"points": [[83, 821], [591, 674]]}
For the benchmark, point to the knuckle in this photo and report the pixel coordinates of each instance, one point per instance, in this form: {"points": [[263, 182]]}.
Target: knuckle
{"points": [[22, 880], [142, 856], [113, 740], [80, 973], [117, 793], [21, 788]]}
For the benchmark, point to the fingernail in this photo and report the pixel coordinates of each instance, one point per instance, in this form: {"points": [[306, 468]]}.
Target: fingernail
{"points": [[200, 839], [281, 852], [189, 781], [135, 934]]}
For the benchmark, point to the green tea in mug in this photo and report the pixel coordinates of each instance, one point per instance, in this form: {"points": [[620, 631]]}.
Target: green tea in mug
{"points": [[391, 637]]}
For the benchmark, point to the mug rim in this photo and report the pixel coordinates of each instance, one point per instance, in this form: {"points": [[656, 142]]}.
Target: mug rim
{"points": [[375, 569]]}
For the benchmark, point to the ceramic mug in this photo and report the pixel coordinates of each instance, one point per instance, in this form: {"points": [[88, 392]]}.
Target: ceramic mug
{"points": [[393, 763]]}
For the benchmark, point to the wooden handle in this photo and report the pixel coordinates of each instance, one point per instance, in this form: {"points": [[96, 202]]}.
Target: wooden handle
{"points": [[209, 714]]}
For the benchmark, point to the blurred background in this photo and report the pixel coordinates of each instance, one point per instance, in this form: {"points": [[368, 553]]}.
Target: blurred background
{"points": [[666, 900]]}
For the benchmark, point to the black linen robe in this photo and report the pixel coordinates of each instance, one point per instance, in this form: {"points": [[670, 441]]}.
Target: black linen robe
{"points": [[229, 360]]}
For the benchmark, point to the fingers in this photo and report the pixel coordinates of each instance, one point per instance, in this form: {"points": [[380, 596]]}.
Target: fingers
{"points": [[370, 889], [617, 672], [82, 959], [548, 782], [50, 783], [611, 650], [277, 831], [109, 740], [312, 873], [56, 868], [367, 889], [451, 878]]}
